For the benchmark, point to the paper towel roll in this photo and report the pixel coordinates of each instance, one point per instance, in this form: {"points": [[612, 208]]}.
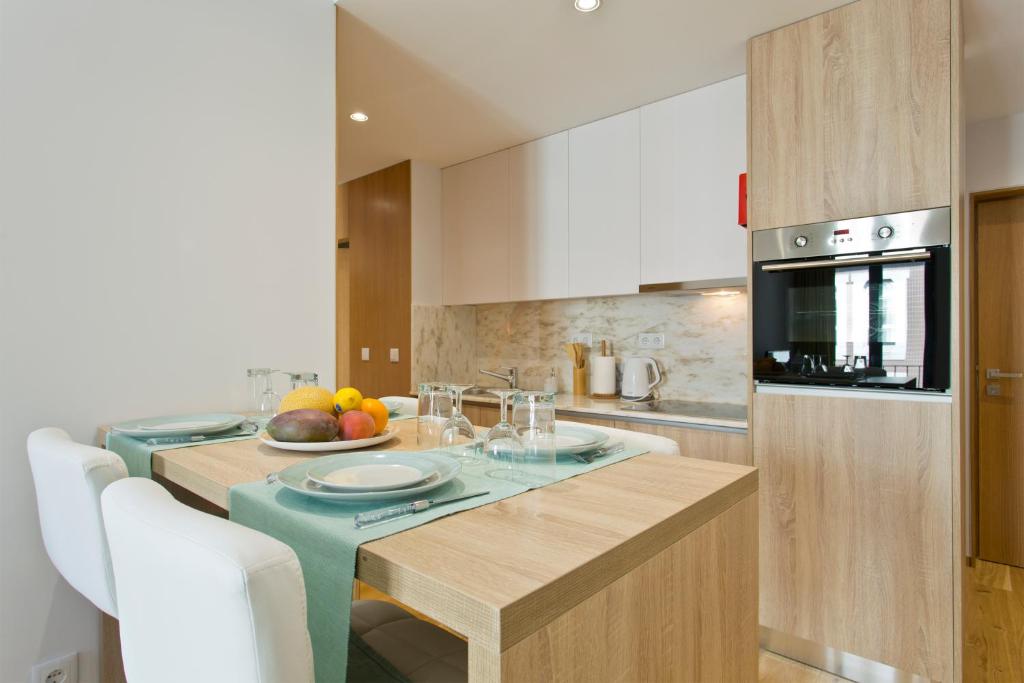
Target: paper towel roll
{"points": [[602, 376]]}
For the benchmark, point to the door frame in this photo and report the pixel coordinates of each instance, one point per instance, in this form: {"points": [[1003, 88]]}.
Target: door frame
{"points": [[976, 199]]}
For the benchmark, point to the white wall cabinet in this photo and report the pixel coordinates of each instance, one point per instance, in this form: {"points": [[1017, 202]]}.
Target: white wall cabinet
{"points": [[604, 206], [693, 148], [475, 210], [539, 219]]}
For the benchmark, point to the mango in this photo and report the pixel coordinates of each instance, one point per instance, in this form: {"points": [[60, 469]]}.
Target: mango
{"points": [[305, 425]]}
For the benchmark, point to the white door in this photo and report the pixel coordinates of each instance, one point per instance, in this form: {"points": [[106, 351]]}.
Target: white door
{"points": [[604, 206], [539, 219], [475, 230], [693, 148]]}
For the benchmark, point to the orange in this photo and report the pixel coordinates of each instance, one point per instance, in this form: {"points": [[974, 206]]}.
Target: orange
{"points": [[378, 411]]}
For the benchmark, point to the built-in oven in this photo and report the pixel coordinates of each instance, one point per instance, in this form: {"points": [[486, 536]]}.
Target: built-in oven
{"points": [[855, 303]]}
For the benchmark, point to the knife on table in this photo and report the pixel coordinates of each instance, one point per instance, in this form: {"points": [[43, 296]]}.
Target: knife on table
{"points": [[374, 517], [197, 438]]}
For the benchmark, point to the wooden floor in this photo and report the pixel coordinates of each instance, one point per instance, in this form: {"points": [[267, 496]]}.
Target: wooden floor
{"points": [[994, 624]]}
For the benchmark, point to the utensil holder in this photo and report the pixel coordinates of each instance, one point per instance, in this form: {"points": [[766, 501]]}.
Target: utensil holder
{"points": [[580, 379]]}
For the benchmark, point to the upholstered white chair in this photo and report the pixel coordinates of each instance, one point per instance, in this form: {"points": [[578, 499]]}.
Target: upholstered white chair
{"points": [[408, 404], [202, 598], [69, 478]]}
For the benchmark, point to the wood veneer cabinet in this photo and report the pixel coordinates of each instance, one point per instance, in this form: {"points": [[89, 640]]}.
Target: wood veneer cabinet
{"points": [[856, 530], [849, 114], [705, 444]]}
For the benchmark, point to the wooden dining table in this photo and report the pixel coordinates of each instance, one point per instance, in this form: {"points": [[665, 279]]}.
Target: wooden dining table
{"points": [[642, 570]]}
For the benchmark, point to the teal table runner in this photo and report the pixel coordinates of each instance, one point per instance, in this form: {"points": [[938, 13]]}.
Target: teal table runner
{"points": [[324, 537], [138, 455]]}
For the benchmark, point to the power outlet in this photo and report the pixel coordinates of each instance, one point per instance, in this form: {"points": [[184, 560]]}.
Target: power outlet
{"points": [[58, 670], [651, 340], [584, 338]]}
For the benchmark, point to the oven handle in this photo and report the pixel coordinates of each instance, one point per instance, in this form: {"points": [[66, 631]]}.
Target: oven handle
{"points": [[837, 263]]}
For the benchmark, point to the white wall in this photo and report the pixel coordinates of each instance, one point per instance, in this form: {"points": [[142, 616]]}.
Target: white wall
{"points": [[995, 153], [166, 189]]}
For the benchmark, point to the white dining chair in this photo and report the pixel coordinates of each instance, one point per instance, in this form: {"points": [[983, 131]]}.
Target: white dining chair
{"points": [[202, 598], [407, 405], [69, 478]]}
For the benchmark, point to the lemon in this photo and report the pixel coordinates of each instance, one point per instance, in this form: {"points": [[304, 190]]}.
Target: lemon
{"points": [[347, 399], [313, 398]]}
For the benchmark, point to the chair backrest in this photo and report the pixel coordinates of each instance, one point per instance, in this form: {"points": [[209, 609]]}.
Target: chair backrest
{"points": [[202, 598], [69, 478]]}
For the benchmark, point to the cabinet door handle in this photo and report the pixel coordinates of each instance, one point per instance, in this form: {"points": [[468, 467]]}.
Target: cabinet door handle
{"points": [[996, 373]]}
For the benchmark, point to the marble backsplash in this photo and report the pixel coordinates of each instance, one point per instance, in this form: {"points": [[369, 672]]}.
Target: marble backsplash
{"points": [[704, 359]]}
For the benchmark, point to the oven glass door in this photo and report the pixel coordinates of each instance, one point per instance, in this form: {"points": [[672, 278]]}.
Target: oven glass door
{"points": [[878, 325]]}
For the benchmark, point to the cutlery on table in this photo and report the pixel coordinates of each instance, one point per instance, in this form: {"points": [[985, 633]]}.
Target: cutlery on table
{"points": [[588, 458], [243, 429], [374, 517]]}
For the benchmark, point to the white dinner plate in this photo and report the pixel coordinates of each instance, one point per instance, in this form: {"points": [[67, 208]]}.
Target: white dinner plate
{"points": [[297, 478], [328, 446], [370, 477], [175, 425], [393, 405], [569, 440]]}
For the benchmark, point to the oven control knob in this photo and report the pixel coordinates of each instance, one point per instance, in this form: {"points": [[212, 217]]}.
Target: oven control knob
{"points": [[885, 232], [800, 241]]}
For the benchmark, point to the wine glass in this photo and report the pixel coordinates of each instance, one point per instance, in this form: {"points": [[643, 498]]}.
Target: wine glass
{"points": [[458, 436], [502, 440]]}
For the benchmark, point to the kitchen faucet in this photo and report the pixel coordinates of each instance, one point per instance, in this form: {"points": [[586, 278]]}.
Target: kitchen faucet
{"points": [[512, 377]]}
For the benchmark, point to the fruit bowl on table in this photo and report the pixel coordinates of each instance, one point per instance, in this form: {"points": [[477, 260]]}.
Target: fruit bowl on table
{"points": [[329, 446]]}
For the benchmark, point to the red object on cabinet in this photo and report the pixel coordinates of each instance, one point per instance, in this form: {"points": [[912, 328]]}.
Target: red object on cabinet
{"points": [[743, 200]]}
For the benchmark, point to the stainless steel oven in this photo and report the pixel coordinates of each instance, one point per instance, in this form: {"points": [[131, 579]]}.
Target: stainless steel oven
{"points": [[855, 303]]}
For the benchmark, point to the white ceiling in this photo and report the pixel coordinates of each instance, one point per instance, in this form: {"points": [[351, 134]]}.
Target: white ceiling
{"points": [[448, 80]]}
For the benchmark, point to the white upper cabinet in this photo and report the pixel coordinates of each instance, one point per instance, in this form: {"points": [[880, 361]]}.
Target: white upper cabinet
{"points": [[693, 148], [604, 206], [539, 219], [476, 230]]}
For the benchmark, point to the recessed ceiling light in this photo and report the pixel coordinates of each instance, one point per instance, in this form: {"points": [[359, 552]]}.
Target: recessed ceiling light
{"points": [[587, 5], [358, 116]]}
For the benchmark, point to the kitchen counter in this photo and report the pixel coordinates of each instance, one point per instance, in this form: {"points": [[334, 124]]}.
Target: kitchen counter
{"points": [[728, 415]]}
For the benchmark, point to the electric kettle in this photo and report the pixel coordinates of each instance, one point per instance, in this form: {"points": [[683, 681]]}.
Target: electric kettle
{"points": [[639, 377]]}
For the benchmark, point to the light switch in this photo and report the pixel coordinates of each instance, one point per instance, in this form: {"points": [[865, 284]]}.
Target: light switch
{"points": [[364, 354], [394, 355]]}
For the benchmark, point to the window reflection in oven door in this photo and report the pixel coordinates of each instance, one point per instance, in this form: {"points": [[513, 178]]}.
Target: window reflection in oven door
{"points": [[875, 322]]}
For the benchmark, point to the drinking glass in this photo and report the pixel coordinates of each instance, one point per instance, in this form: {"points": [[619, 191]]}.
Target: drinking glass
{"points": [[502, 440], [261, 391], [458, 436], [303, 379], [533, 461], [434, 410]]}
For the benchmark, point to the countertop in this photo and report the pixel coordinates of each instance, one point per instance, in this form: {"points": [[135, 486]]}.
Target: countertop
{"points": [[682, 412]]}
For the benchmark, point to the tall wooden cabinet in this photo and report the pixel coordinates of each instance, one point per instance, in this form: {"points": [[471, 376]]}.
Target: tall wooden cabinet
{"points": [[850, 114], [856, 544], [389, 230]]}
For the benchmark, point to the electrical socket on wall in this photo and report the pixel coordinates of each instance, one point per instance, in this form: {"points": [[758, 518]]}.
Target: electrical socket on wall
{"points": [[58, 670], [651, 340], [584, 338]]}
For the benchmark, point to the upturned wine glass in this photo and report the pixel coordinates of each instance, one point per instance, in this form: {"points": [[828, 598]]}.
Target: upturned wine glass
{"points": [[458, 436], [502, 440]]}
